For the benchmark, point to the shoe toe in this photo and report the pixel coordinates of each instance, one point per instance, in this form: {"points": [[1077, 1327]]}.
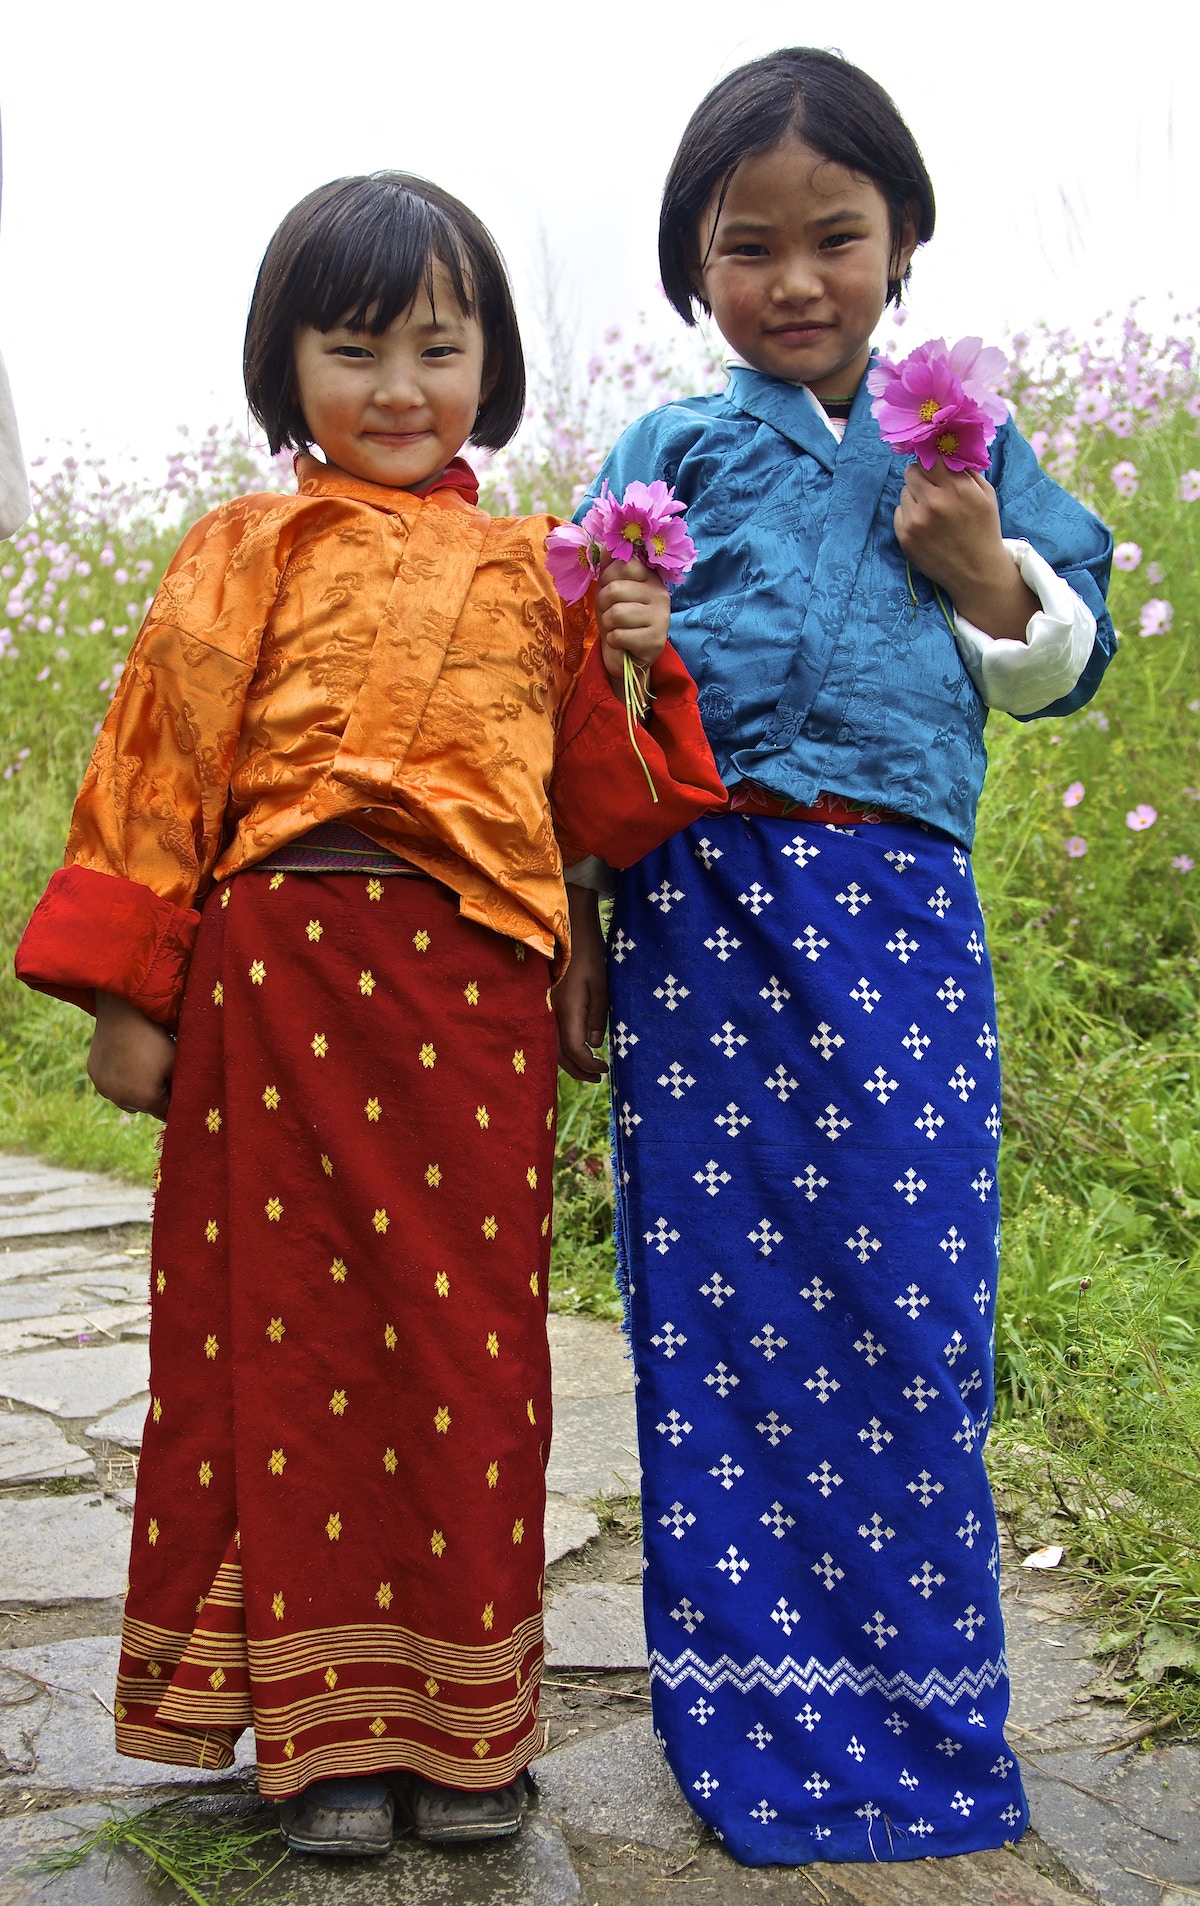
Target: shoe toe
{"points": [[348, 1818]]}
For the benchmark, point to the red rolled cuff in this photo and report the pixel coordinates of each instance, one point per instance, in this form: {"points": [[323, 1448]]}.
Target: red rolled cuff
{"points": [[99, 933], [599, 792]]}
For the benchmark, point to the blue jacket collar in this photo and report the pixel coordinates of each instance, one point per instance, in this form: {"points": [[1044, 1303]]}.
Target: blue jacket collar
{"points": [[789, 409]]}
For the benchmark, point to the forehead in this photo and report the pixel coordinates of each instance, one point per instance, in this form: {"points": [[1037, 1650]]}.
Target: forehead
{"points": [[438, 312], [791, 183]]}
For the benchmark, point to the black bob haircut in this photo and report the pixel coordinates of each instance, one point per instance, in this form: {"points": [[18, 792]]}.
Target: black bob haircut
{"points": [[836, 108], [357, 252]]}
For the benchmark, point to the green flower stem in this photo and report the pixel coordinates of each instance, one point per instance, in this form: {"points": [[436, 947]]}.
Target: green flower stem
{"points": [[637, 701]]}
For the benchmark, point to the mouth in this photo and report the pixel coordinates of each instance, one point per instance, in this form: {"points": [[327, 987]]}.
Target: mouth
{"points": [[394, 439], [798, 333]]}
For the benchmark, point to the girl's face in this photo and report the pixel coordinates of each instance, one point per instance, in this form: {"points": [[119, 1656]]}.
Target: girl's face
{"points": [[797, 270], [394, 409]]}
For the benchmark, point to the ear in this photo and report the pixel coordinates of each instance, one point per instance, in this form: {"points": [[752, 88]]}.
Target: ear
{"points": [[491, 376], [902, 257]]}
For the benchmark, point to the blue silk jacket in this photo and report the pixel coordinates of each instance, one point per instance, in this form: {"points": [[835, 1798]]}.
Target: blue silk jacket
{"points": [[797, 623]]}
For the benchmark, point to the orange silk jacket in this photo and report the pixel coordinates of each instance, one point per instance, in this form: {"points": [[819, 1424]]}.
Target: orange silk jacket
{"points": [[354, 651]]}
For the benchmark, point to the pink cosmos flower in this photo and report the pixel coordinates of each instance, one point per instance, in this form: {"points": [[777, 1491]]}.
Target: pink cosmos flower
{"points": [[1125, 478], [1092, 406], [1155, 573], [1141, 817], [1127, 555], [645, 524], [1121, 423], [940, 402], [1157, 616], [1074, 794], [1076, 846], [573, 559], [1183, 863], [1189, 487]]}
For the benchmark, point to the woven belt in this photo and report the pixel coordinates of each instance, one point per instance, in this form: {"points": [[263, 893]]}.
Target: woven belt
{"points": [[833, 810]]}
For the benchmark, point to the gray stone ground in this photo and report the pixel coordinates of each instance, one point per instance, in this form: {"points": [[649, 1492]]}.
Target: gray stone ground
{"points": [[1113, 1820]]}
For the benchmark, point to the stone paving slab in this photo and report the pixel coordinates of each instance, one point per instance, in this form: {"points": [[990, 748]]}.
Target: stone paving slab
{"points": [[588, 1358], [31, 1297], [595, 1625], [76, 1383], [72, 1328], [123, 1426], [568, 1526], [97, 1883], [971, 1879], [32, 1448], [618, 1784], [44, 1260], [84, 1214], [594, 1451], [56, 1549]]}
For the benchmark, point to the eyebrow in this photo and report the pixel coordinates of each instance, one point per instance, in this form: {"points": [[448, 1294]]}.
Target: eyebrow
{"points": [[745, 223]]}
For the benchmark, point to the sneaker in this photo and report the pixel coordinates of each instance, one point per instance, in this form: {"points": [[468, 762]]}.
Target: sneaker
{"points": [[347, 1818], [445, 1814]]}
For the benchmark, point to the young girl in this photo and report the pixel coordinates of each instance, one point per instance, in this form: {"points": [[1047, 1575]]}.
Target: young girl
{"points": [[318, 833], [806, 1091]]}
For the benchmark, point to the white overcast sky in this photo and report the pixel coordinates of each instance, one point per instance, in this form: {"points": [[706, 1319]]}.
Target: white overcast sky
{"points": [[150, 149]]}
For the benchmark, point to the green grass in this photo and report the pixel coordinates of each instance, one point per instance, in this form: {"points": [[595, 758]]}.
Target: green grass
{"points": [[196, 1848]]}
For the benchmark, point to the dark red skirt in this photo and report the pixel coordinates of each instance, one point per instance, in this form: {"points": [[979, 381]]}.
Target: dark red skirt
{"points": [[338, 1531]]}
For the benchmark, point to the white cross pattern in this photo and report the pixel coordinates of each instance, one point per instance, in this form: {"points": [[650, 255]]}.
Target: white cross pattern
{"points": [[956, 1348], [897, 1724], [930, 1122], [826, 1478], [706, 852], [960, 1081], [921, 1826], [702, 1712], [672, 991], [962, 1803], [786, 1617], [664, 897], [919, 1393], [756, 899], [908, 1780], [1011, 1815], [953, 1244], [729, 1038], [674, 1429], [800, 850], [916, 1041], [987, 1039], [854, 899], [880, 1629], [875, 1532], [769, 1342], [832, 1123], [994, 1562], [723, 1379], [822, 1383], [723, 944], [1002, 1768], [869, 1346], [992, 1121], [763, 1812], [712, 1177], [960, 861], [733, 1565], [903, 946], [774, 993], [627, 1118], [976, 1719], [777, 1520], [782, 1083], [760, 1736], [869, 1812], [983, 1184], [875, 1434], [765, 1236], [810, 1183], [815, 1785], [971, 1527], [817, 1294], [669, 1338], [975, 948], [951, 996], [940, 902], [826, 1040], [970, 1384], [620, 945], [899, 859], [774, 1429], [732, 1120], [690, 1617], [717, 1290], [829, 1572], [981, 1297], [862, 1244], [808, 1718], [856, 1750], [926, 1580], [679, 1521], [706, 1785], [925, 1488], [909, 1186], [727, 1471], [913, 1300], [810, 943], [967, 1435], [676, 1079], [660, 1239], [881, 1084], [865, 994]]}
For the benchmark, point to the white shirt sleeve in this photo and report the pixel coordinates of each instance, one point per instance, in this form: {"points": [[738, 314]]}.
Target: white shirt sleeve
{"points": [[592, 873], [14, 488], [1021, 677]]}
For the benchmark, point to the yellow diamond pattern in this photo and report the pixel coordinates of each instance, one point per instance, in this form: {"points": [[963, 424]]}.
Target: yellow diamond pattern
{"points": [[277, 1462], [333, 1528], [471, 993], [383, 1594], [156, 1409], [211, 1346], [218, 994], [271, 1099], [277, 1606], [518, 1531], [493, 1475], [326, 1165], [160, 1282], [432, 1688], [337, 1270], [275, 1330], [518, 1060], [320, 1045], [378, 1726], [482, 1749], [441, 1284], [258, 972], [493, 1344], [372, 1110], [216, 1679], [276, 882], [381, 1220], [366, 983], [531, 1177], [428, 1056], [441, 1421], [274, 1210], [433, 1176], [337, 1403], [489, 1614], [421, 941], [213, 1121], [314, 929], [437, 1542], [489, 1227], [205, 1475], [389, 1461], [482, 1117], [152, 1531], [331, 1679], [389, 1336], [374, 888], [210, 1230]]}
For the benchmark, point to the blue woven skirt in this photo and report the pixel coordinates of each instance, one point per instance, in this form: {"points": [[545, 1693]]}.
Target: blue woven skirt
{"points": [[807, 1114]]}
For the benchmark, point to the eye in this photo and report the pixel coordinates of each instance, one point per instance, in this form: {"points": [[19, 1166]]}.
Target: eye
{"points": [[748, 250], [353, 351], [441, 350], [836, 241]]}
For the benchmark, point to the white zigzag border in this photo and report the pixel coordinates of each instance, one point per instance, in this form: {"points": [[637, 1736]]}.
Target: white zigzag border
{"points": [[814, 1676]]}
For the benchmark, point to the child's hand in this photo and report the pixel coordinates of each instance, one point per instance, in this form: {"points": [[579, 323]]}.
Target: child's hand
{"points": [[948, 525], [131, 1059], [581, 997], [633, 614]]}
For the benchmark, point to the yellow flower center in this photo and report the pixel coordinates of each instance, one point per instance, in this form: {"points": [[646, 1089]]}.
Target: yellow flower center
{"points": [[658, 544], [929, 410], [632, 532], [947, 443]]}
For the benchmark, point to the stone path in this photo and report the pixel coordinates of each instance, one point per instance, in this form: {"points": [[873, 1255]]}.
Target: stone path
{"points": [[610, 1826]]}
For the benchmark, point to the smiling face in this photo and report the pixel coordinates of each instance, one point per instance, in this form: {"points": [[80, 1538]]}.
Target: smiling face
{"points": [[395, 409], [797, 271]]}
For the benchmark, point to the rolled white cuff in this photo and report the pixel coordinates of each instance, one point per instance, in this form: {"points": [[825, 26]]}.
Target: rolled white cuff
{"points": [[593, 873], [14, 489], [1021, 677]]}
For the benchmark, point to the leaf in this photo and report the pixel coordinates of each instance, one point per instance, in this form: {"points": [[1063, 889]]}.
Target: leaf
{"points": [[1165, 1648]]}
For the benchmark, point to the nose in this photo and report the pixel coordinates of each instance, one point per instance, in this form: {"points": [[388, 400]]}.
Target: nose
{"points": [[397, 387], [798, 279]]}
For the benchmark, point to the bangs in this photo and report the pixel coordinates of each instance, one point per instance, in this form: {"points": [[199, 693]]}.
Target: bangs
{"points": [[364, 265]]}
